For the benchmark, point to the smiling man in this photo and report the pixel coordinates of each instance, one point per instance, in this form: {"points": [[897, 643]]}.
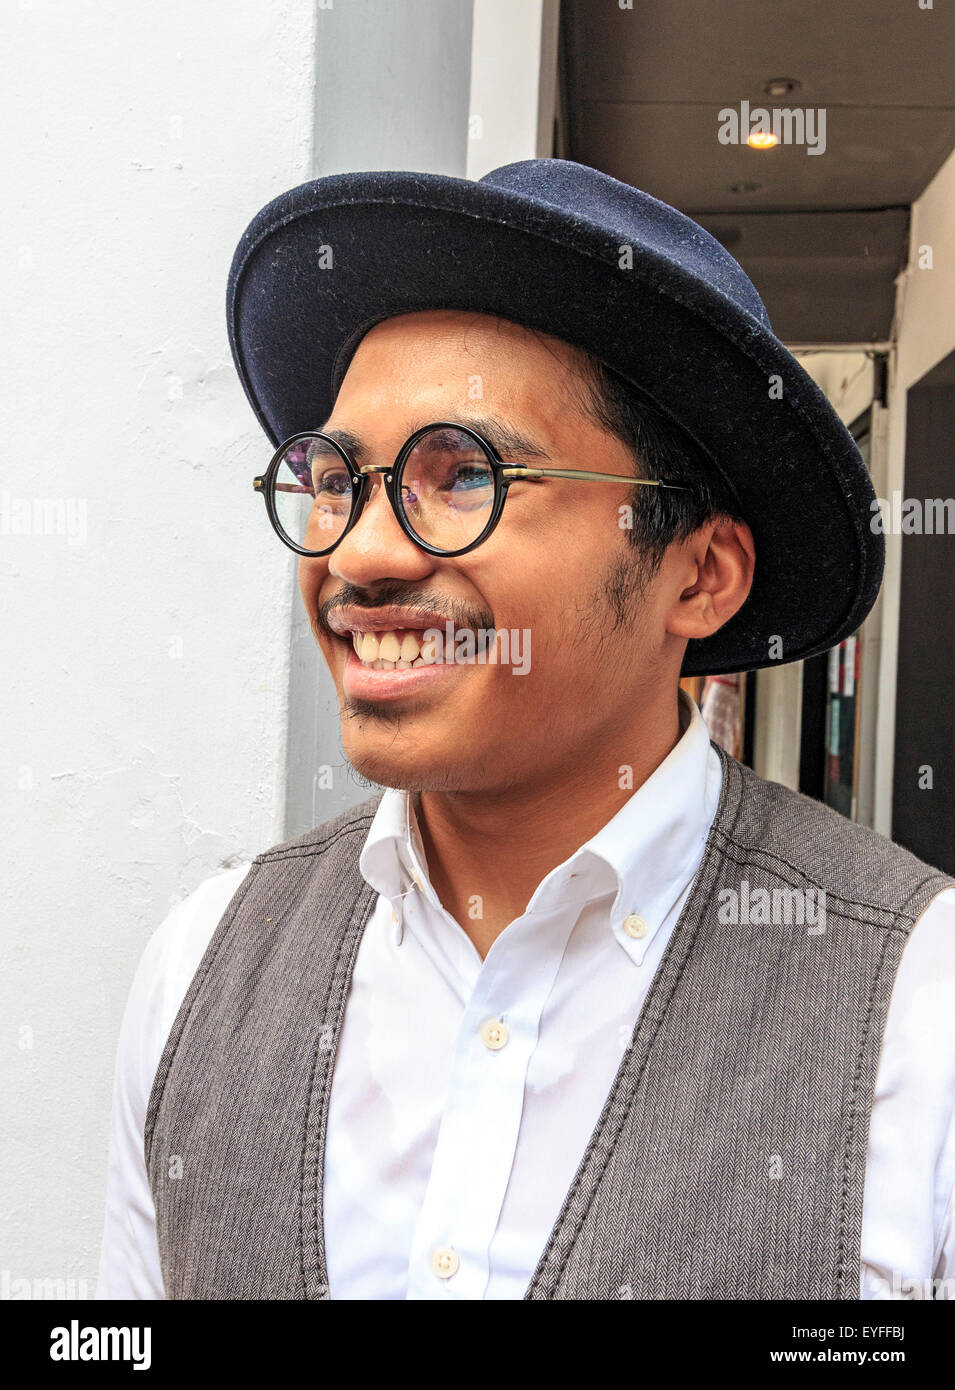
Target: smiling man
{"points": [[513, 1027]]}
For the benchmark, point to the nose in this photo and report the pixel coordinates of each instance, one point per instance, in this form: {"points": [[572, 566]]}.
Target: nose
{"points": [[376, 547]]}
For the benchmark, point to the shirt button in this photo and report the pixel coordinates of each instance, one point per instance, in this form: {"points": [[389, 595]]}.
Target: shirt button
{"points": [[494, 1034], [634, 925], [444, 1262]]}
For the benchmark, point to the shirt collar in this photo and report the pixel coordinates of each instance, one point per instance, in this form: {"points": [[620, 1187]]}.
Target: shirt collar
{"points": [[392, 860], [652, 848], [644, 857]]}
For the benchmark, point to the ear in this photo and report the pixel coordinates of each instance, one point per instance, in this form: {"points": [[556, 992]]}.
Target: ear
{"points": [[713, 574]]}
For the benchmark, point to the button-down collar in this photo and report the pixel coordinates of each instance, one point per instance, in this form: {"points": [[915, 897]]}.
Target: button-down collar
{"points": [[392, 860], [653, 845], [643, 858]]}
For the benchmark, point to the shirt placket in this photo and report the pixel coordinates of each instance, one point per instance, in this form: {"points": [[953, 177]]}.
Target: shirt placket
{"points": [[481, 1122]]}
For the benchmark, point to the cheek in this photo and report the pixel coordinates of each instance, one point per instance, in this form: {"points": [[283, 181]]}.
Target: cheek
{"points": [[546, 573]]}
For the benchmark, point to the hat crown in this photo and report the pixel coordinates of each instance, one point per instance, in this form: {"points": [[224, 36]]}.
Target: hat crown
{"points": [[638, 220]]}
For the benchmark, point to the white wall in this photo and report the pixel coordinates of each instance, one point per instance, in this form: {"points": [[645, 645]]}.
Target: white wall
{"points": [[143, 710], [513, 82]]}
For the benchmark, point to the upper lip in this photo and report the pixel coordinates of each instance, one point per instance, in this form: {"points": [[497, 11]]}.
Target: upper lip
{"points": [[346, 620]]}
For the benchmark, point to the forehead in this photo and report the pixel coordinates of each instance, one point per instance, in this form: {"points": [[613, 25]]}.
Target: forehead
{"points": [[440, 364], [416, 345]]}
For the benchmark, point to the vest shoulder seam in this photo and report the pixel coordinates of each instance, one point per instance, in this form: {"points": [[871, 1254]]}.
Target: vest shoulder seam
{"points": [[753, 853], [315, 846]]}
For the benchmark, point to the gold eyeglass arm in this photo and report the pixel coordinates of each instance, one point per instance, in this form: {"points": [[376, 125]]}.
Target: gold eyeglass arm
{"points": [[586, 476], [259, 483]]}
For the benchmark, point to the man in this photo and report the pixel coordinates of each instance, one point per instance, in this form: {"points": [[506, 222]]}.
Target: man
{"points": [[578, 1007]]}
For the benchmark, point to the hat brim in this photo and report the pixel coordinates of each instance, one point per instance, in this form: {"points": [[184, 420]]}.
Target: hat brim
{"points": [[321, 264]]}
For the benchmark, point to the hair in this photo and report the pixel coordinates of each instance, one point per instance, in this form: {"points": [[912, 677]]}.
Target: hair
{"points": [[661, 450]]}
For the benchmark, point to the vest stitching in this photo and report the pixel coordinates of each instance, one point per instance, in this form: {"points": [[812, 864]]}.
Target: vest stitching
{"points": [[941, 878], [313, 847], [850, 902], [338, 988], [181, 1020], [841, 1253], [748, 857]]}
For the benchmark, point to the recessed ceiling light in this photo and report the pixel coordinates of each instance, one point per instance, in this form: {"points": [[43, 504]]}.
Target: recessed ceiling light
{"points": [[780, 86], [761, 140]]}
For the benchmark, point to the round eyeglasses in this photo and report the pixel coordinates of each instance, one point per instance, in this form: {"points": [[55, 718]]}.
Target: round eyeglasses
{"points": [[447, 488]]}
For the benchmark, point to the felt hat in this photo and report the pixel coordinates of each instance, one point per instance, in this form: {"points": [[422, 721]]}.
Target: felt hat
{"points": [[572, 252]]}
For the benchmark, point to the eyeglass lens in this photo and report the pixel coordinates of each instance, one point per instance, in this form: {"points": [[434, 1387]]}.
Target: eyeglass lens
{"points": [[445, 487]]}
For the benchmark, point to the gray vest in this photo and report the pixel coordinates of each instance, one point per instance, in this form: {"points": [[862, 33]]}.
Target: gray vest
{"points": [[729, 1159]]}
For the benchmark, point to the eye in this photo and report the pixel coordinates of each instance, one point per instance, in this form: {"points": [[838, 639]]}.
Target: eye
{"points": [[467, 476], [332, 482]]}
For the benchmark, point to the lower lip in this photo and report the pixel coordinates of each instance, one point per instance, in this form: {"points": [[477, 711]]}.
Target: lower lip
{"points": [[365, 683]]}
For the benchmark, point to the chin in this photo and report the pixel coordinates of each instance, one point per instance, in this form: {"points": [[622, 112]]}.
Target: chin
{"points": [[404, 774], [379, 751]]}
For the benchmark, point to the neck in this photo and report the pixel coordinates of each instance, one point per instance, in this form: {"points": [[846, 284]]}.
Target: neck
{"points": [[491, 850]]}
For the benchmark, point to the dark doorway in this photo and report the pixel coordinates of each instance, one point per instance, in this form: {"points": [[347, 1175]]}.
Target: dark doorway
{"points": [[923, 794]]}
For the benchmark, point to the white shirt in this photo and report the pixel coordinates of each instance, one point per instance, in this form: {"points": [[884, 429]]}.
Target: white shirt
{"points": [[465, 1092]]}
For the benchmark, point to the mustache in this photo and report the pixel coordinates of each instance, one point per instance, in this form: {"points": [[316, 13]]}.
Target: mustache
{"points": [[420, 602]]}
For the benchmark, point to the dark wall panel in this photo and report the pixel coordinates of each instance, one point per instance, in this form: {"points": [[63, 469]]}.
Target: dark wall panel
{"points": [[924, 820]]}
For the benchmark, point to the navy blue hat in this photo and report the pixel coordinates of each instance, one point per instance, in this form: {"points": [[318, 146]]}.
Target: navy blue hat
{"points": [[544, 243]]}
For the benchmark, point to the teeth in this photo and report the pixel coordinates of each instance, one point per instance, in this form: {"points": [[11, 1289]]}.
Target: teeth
{"points": [[387, 651], [389, 648]]}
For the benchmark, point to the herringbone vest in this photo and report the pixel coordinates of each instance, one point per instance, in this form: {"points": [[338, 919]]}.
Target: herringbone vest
{"points": [[729, 1160]]}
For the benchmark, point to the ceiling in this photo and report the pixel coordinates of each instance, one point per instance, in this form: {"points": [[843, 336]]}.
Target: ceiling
{"points": [[822, 236]]}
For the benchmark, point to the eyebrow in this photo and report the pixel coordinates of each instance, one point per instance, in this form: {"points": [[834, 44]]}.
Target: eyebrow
{"points": [[504, 437]]}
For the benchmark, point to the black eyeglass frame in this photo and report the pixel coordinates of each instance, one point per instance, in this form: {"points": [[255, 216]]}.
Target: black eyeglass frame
{"points": [[503, 473]]}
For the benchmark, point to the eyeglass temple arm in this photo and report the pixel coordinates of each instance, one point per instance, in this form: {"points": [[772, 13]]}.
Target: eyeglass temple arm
{"points": [[586, 476], [258, 485]]}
